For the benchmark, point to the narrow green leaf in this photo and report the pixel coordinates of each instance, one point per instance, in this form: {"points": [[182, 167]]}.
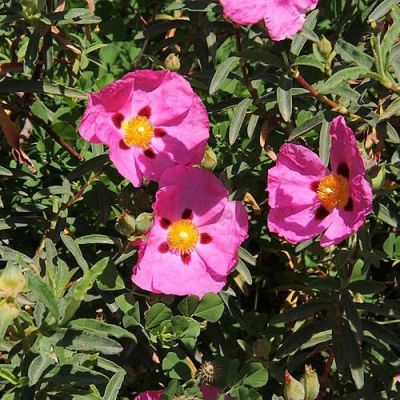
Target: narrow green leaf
{"points": [[237, 119], [222, 73], [92, 325], [382, 9], [284, 97], [158, 313], [306, 126], [74, 249], [114, 386], [324, 142]]}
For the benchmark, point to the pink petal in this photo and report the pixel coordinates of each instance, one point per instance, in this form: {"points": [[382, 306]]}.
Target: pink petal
{"points": [[297, 223], [344, 155], [347, 220], [165, 272], [150, 395], [125, 162], [198, 190], [186, 141], [222, 238], [284, 18], [244, 12], [290, 182], [211, 393]]}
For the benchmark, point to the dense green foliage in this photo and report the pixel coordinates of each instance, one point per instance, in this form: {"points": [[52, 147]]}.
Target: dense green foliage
{"points": [[79, 329]]}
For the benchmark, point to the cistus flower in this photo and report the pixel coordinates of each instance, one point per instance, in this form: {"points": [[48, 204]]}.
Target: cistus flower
{"points": [[282, 18], [307, 199], [193, 244], [150, 120], [209, 393]]}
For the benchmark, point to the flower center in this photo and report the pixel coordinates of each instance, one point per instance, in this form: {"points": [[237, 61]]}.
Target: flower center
{"points": [[138, 132], [183, 236], [333, 192]]}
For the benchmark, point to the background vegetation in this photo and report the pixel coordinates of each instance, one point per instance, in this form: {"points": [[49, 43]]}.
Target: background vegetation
{"points": [[82, 331]]}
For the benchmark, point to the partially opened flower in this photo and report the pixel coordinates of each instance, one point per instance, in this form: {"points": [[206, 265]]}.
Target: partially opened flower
{"points": [[194, 241], [282, 18], [209, 393], [151, 120], [308, 199]]}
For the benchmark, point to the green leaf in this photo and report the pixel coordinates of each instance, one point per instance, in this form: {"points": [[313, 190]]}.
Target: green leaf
{"points": [[222, 73], [254, 375], [341, 76], [43, 292], [237, 120], [210, 308], [300, 40], [382, 9], [352, 317], [74, 249], [188, 305], [353, 54], [324, 142], [306, 126], [37, 368], [301, 312], [158, 313], [284, 97], [175, 366], [93, 325], [114, 386]]}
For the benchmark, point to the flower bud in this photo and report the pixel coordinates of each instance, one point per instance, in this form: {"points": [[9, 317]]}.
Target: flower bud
{"points": [[8, 312], [125, 225], [12, 282], [144, 222], [324, 46], [311, 383], [209, 160], [378, 181], [293, 389], [172, 62], [32, 7]]}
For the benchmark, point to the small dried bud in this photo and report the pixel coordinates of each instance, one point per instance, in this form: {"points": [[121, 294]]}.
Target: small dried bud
{"points": [[311, 383], [324, 47], [12, 282], [208, 372], [209, 160], [144, 222], [172, 62], [126, 224], [293, 389]]}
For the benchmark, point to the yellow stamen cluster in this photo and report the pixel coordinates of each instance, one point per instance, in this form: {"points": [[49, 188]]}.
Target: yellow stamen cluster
{"points": [[183, 236], [138, 132], [333, 192]]}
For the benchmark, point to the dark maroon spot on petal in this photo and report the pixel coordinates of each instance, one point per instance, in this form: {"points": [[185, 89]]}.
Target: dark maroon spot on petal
{"points": [[165, 223], [321, 213], [350, 205], [314, 186], [186, 258], [149, 153], [187, 213], [163, 248], [158, 132], [123, 145], [117, 119], [205, 238], [145, 112], [343, 169]]}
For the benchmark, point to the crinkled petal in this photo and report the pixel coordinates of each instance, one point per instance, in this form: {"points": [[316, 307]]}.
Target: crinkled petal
{"points": [[185, 142], [161, 271], [296, 224], [291, 180], [221, 239], [284, 18], [244, 12], [197, 189], [349, 219], [211, 393], [344, 155], [153, 166]]}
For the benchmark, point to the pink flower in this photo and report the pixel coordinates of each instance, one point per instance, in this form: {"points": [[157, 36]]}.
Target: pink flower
{"points": [[306, 198], [150, 120], [209, 393], [282, 18], [197, 231]]}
